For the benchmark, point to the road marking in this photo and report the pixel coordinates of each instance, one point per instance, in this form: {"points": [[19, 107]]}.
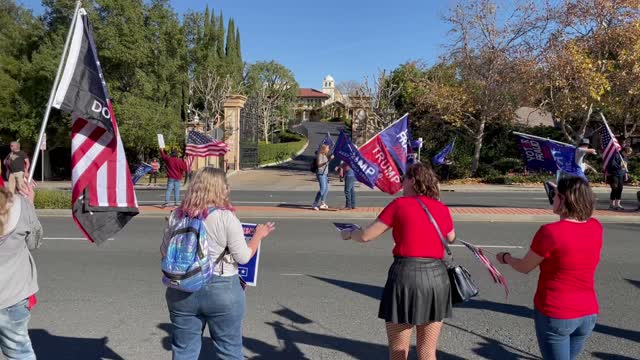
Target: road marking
{"points": [[69, 238], [492, 246], [292, 274]]}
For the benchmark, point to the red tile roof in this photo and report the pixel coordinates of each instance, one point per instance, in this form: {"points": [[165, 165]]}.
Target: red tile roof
{"points": [[311, 93]]}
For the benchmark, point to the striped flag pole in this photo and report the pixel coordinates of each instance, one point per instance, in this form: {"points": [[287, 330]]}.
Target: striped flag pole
{"points": [[45, 118]]}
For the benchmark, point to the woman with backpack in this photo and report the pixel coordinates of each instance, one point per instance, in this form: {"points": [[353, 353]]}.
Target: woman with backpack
{"points": [[219, 301]]}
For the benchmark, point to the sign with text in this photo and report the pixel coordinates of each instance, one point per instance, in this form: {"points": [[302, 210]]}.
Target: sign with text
{"points": [[249, 271], [161, 141]]}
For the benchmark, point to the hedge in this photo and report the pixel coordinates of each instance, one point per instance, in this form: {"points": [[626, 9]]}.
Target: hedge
{"points": [[52, 199], [270, 153]]}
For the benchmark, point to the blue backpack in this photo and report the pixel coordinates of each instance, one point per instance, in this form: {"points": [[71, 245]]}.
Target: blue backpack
{"points": [[186, 266]]}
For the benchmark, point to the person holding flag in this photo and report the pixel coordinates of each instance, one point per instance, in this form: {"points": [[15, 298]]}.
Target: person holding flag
{"points": [[322, 174], [442, 159], [417, 292], [568, 253]]}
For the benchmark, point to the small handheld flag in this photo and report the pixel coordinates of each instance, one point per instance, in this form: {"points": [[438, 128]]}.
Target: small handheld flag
{"points": [[141, 171], [441, 157], [497, 277]]}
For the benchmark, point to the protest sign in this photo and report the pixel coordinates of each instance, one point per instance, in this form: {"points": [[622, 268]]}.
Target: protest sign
{"points": [[161, 141], [249, 271]]}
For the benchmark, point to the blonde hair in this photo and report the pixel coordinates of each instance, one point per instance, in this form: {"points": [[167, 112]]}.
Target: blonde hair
{"points": [[324, 149], [208, 188], [6, 198]]}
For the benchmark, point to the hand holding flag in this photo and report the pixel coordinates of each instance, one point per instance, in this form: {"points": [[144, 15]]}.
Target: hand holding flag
{"points": [[497, 277]]}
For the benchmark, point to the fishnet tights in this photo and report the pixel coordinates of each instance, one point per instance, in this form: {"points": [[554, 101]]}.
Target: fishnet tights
{"points": [[399, 336]]}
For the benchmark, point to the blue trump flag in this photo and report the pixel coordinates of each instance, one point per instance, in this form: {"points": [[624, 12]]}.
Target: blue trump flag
{"points": [[366, 171], [396, 138], [141, 171], [441, 157], [548, 155], [326, 141]]}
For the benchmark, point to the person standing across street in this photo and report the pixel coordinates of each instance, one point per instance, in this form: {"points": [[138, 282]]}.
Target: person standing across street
{"points": [[617, 174], [20, 232], [175, 170], [349, 185], [220, 303], [153, 174], [568, 253], [18, 164], [417, 292], [322, 174], [581, 152]]}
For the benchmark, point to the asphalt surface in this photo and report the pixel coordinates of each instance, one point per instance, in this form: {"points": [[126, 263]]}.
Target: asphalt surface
{"points": [[515, 199], [317, 296]]}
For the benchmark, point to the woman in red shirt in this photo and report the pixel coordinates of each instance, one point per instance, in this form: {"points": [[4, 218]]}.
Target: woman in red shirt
{"points": [[417, 292], [568, 252]]}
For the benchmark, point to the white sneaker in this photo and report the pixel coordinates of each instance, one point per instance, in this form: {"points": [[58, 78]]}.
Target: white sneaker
{"points": [[324, 206], [315, 208]]}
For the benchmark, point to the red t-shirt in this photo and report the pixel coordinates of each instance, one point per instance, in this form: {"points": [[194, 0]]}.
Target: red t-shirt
{"points": [[175, 166], [571, 253], [413, 233]]}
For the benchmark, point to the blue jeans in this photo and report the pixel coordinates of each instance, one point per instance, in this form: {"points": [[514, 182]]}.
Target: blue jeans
{"points": [[562, 339], [173, 185], [350, 191], [321, 196], [14, 332], [220, 305]]}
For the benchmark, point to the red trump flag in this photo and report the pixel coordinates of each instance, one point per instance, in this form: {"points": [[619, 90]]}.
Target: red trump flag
{"points": [[102, 195], [389, 180]]}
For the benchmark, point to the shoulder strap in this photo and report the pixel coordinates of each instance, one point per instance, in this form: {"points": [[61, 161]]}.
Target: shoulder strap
{"points": [[435, 225]]}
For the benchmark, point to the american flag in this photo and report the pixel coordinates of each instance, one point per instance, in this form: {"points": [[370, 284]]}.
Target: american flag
{"points": [[609, 144], [189, 161], [102, 196], [497, 277], [201, 145]]}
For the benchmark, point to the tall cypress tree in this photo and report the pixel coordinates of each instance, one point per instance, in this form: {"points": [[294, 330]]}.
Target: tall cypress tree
{"points": [[205, 39], [238, 47], [213, 37], [220, 37], [231, 42]]}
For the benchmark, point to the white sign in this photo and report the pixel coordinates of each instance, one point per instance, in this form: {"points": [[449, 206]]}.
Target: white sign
{"points": [[43, 144], [161, 141]]}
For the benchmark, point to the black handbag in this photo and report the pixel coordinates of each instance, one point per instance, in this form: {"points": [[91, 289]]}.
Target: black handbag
{"points": [[462, 287]]}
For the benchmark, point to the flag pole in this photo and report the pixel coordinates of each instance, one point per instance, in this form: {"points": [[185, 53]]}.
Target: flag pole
{"points": [[45, 118]]}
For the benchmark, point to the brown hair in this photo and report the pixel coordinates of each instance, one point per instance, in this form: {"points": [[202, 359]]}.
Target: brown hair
{"points": [[6, 198], [578, 199], [424, 179], [208, 188]]}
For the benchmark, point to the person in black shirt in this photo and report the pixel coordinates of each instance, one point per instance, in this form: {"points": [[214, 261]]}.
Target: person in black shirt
{"points": [[617, 173], [18, 164]]}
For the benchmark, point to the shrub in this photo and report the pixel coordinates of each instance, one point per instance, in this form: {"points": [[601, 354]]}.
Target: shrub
{"points": [[488, 171], [52, 199], [269, 153], [288, 136], [508, 164]]}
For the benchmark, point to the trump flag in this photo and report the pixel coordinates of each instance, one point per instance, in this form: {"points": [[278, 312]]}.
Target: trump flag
{"points": [[396, 138], [389, 180], [366, 171]]}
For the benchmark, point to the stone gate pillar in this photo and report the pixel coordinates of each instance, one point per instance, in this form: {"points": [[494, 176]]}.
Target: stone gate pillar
{"points": [[232, 107]]}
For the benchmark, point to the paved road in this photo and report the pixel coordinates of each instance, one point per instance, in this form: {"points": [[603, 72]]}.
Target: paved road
{"points": [[515, 199], [317, 296]]}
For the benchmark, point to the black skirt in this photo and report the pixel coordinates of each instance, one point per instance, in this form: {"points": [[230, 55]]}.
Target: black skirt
{"points": [[417, 292]]}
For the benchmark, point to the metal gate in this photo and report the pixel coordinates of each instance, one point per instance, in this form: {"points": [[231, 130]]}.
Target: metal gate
{"points": [[249, 135]]}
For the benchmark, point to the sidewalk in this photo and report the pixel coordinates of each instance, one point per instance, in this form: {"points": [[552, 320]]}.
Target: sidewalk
{"points": [[459, 213]]}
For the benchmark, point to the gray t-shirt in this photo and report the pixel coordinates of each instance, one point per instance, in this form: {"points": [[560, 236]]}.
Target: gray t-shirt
{"points": [[322, 159], [23, 232], [580, 154]]}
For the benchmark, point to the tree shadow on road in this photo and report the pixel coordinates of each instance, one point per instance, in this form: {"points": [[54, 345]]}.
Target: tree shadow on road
{"points": [[291, 336], [636, 283], [489, 348], [524, 311], [52, 347]]}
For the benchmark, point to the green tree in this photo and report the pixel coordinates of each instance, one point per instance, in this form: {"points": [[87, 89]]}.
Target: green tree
{"points": [[274, 89]]}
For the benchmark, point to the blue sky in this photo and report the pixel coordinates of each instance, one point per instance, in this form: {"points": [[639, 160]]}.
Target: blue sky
{"points": [[348, 39]]}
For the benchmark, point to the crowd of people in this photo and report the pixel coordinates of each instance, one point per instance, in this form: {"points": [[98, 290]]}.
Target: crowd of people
{"points": [[417, 293]]}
